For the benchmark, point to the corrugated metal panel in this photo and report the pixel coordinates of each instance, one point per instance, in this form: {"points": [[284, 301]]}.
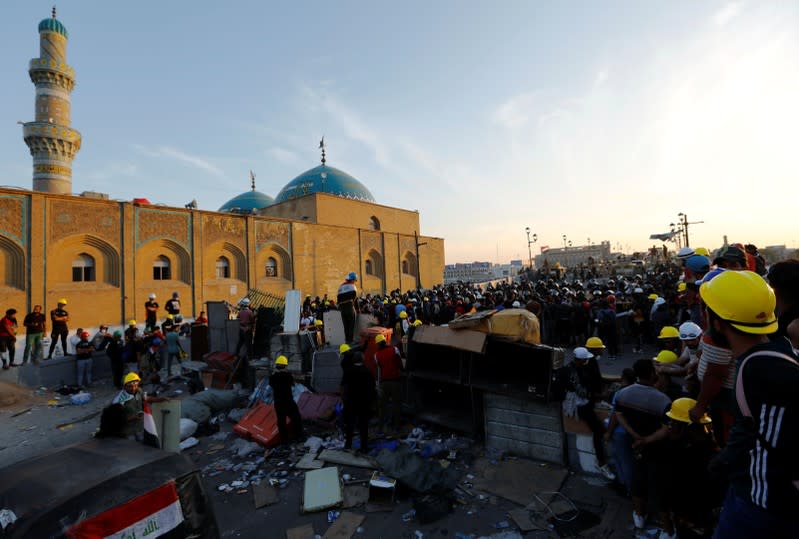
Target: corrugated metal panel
{"points": [[524, 427], [326, 371]]}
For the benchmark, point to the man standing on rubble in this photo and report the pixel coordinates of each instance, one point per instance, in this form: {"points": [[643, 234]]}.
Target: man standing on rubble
{"points": [[358, 394], [281, 381], [389, 378], [347, 293]]}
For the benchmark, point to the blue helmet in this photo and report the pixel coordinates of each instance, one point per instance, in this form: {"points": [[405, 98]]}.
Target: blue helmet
{"points": [[698, 263], [352, 276], [156, 341]]}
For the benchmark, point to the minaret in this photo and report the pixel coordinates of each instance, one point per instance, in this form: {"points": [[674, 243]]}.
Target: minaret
{"points": [[53, 143]]}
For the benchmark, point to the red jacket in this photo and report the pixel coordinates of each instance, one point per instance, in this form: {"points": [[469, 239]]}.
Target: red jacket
{"points": [[389, 362]]}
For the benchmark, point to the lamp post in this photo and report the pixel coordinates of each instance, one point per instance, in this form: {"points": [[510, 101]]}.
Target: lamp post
{"points": [[418, 266], [529, 248], [683, 221], [564, 242]]}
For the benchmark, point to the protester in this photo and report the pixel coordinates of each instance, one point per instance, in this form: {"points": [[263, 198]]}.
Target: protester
{"points": [[281, 381], [35, 326], [358, 395], [8, 337]]}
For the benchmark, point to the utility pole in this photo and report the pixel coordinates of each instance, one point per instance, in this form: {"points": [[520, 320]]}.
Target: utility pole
{"points": [[530, 242], [418, 265], [684, 222]]}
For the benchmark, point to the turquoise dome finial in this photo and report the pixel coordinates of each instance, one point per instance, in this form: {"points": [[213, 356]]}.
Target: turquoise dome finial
{"points": [[52, 24], [249, 201]]}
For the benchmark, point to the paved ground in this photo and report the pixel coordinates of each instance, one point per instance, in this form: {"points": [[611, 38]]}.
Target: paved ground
{"points": [[40, 421]]}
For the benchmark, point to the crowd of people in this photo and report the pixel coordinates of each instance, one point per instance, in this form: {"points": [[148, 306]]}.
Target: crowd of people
{"points": [[706, 431]]}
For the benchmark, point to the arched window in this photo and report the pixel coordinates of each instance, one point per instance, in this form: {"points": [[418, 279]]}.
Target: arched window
{"points": [[409, 264], [161, 269], [374, 223], [370, 270], [271, 267], [222, 268], [405, 266], [83, 268]]}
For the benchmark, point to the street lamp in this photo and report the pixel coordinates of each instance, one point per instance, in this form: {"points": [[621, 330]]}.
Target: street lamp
{"points": [[529, 243], [564, 242]]}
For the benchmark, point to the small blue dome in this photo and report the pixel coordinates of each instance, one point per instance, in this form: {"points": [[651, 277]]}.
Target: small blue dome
{"points": [[53, 25], [324, 179], [247, 202]]}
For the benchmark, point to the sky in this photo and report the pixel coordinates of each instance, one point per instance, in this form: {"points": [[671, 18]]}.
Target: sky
{"points": [[594, 120]]}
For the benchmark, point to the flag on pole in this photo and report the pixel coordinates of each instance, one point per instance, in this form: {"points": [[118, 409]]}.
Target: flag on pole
{"points": [[150, 432]]}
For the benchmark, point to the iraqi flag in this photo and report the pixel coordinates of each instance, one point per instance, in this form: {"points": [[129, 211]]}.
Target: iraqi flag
{"points": [[150, 432], [150, 515]]}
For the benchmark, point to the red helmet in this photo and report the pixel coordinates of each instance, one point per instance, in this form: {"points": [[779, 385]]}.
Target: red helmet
{"points": [[84, 334]]}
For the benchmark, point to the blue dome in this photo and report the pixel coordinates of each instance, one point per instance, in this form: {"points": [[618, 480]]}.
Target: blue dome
{"points": [[324, 179], [247, 202], [53, 25]]}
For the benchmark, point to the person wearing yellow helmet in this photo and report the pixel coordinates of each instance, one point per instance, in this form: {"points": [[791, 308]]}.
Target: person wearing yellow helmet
{"points": [[132, 398], [595, 346], [691, 444], [59, 318], [764, 487], [358, 396], [282, 383], [389, 378], [669, 339]]}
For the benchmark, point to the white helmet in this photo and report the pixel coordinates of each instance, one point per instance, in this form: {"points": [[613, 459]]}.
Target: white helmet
{"points": [[685, 252], [245, 301], [151, 296], [689, 331]]}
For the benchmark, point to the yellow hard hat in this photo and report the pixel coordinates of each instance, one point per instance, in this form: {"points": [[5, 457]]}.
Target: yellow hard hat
{"points": [[653, 297], [743, 299], [681, 287], [679, 411], [385, 302], [594, 342], [62, 301], [131, 322], [417, 323], [344, 348], [666, 356], [426, 298], [169, 317], [131, 377], [403, 315], [380, 338], [669, 332], [318, 323], [282, 360], [701, 251]]}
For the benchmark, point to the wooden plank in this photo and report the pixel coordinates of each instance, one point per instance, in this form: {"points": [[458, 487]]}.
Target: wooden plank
{"points": [[305, 531], [309, 462], [344, 527], [471, 341], [346, 459], [355, 495], [264, 494]]}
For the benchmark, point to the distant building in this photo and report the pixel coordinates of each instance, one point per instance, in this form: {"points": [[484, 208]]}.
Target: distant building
{"points": [[473, 271], [570, 257]]}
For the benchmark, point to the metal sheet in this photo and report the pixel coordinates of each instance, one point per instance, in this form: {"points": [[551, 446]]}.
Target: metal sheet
{"points": [[322, 490], [291, 314], [167, 424]]}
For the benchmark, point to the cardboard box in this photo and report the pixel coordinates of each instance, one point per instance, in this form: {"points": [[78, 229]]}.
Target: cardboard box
{"points": [[382, 489]]}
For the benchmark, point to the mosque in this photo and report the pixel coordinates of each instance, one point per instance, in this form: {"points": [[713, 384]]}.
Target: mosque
{"points": [[106, 256]]}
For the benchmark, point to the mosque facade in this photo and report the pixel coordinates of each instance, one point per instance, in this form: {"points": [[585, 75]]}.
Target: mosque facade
{"points": [[105, 256]]}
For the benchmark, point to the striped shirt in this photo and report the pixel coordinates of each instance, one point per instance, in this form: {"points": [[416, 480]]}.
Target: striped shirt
{"points": [[712, 354]]}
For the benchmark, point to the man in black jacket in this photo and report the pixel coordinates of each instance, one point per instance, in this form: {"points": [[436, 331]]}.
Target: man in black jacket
{"points": [[358, 391]]}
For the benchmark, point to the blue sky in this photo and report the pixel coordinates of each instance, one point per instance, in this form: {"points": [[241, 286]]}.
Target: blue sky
{"points": [[597, 120]]}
